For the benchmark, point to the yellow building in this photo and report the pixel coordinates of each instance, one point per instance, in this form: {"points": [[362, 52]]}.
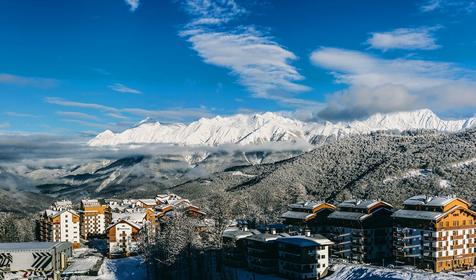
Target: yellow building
{"points": [[436, 233], [95, 217]]}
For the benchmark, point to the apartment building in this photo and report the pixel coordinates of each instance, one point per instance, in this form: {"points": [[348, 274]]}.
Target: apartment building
{"points": [[362, 230], [309, 214], [303, 257], [435, 233], [95, 217], [262, 253], [60, 226], [122, 238]]}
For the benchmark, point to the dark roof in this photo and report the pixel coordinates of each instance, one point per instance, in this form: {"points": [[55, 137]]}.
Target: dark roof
{"points": [[305, 241]]}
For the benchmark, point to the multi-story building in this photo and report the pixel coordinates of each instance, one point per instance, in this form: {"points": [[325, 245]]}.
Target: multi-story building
{"points": [[362, 230], [303, 257], [262, 253], [95, 217], [309, 214], [436, 233], [60, 226], [122, 238], [235, 247]]}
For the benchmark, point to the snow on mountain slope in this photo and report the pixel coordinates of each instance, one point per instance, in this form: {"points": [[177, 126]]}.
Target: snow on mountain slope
{"points": [[271, 127]]}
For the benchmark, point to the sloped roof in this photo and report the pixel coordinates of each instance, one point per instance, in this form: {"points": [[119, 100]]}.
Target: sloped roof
{"points": [[297, 215], [437, 201], [343, 215], [306, 241], [308, 205], [360, 204], [236, 233]]}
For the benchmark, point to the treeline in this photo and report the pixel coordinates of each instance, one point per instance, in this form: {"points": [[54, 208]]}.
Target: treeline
{"points": [[16, 228]]}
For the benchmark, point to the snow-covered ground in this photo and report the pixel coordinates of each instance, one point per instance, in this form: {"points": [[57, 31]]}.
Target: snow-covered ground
{"points": [[118, 269], [354, 272]]}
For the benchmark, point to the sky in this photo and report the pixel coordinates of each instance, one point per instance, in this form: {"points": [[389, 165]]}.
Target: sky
{"points": [[82, 66]]}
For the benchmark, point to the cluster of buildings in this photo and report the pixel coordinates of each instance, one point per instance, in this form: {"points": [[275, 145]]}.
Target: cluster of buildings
{"points": [[119, 221], [434, 233]]}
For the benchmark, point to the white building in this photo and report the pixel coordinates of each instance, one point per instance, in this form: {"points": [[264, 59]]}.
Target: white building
{"points": [[122, 238], [60, 226]]}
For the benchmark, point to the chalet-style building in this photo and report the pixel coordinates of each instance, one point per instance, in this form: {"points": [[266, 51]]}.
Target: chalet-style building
{"points": [[309, 214], [362, 230], [435, 233], [60, 226], [303, 257], [122, 238], [95, 217]]}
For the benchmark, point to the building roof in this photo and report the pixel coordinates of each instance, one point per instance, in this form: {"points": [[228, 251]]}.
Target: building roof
{"points": [[265, 237], [308, 205], [359, 203], [236, 233], [90, 202], [418, 215], [297, 215], [436, 201], [25, 246], [306, 241], [124, 221], [352, 216], [148, 201]]}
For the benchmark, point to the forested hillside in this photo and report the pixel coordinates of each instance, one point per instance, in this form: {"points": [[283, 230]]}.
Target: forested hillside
{"points": [[387, 166]]}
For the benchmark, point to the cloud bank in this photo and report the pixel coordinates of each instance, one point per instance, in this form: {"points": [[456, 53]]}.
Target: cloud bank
{"points": [[388, 85]]}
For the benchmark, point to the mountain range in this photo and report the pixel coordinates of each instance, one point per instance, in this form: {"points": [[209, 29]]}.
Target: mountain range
{"points": [[272, 127]]}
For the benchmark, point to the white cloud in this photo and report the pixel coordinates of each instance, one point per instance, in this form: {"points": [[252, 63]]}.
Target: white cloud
{"points": [[4, 125], [133, 4], [386, 85], [16, 80], [20, 115], [430, 5], [466, 6], [404, 38], [262, 65], [78, 115], [213, 11], [123, 89], [170, 114]]}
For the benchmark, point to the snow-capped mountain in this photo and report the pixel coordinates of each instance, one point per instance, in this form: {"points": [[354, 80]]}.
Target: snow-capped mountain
{"points": [[271, 127]]}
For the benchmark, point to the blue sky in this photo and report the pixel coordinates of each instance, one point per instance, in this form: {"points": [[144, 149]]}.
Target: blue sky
{"points": [[80, 67]]}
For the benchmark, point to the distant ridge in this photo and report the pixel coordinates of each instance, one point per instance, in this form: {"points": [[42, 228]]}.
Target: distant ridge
{"points": [[271, 127]]}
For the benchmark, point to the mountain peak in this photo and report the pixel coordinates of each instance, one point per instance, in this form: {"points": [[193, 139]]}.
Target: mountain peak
{"points": [[272, 127]]}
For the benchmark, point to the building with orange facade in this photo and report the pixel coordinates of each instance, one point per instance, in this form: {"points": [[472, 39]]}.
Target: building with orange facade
{"points": [[435, 233], [309, 214], [60, 226], [95, 217]]}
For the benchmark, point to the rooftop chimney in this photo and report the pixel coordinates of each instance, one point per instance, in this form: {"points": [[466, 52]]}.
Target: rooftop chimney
{"points": [[307, 232], [273, 231]]}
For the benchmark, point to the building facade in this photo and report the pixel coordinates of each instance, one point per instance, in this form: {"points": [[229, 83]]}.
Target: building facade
{"points": [[436, 233], [60, 226], [303, 257], [362, 231], [122, 238], [95, 217], [34, 260], [310, 214]]}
